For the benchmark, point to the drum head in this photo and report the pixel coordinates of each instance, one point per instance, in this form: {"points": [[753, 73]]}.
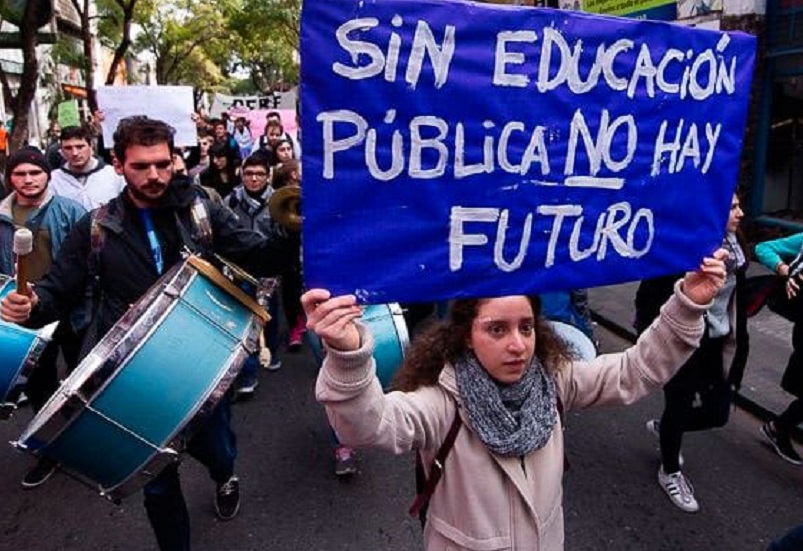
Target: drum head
{"points": [[581, 347]]}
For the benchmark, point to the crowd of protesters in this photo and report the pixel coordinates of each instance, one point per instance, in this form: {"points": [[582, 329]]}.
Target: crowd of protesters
{"points": [[697, 344]]}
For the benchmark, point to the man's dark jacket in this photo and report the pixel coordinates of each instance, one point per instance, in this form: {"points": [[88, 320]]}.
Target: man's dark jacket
{"points": [[126, 268]]}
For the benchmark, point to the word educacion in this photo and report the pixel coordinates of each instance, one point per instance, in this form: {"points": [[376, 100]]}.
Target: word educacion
{"points": [[699, 75]]}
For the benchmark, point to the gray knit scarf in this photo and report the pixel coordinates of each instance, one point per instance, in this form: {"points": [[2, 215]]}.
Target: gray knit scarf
{"points": [[250, 204], [736, 259], [512, 420]]}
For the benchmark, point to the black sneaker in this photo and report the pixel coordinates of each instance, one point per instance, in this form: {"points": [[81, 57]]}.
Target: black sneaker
{"points": [[39, 474], [782, 445], [227, 499]]}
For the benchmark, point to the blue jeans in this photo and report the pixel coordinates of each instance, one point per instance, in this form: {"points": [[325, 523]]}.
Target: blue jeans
{"points": [[215, 446], [791, 541]]}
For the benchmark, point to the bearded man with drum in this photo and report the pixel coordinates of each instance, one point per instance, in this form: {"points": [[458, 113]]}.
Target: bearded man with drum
{"points": [[145, 231]]}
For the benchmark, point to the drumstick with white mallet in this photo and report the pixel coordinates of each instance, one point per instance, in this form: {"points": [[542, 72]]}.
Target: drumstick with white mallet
{"points": [[23, 246]]}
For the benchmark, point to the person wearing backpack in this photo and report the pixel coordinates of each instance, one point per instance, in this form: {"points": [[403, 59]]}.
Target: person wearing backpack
{"points": [[143, 232], [249, 202], [495, 368]]}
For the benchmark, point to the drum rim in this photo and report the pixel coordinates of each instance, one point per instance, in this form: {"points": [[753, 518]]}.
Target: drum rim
{"points": [[397, 316], [40, 340], [393, 312]]}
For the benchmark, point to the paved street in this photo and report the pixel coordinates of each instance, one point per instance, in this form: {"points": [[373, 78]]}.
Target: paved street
{"points": [[291, 501]]}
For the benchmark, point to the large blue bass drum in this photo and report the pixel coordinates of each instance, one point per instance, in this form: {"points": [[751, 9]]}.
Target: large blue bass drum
{"points": [[128, 409]]}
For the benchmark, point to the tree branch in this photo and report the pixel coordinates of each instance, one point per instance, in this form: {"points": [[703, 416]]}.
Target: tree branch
{"points": [[125, 41]]}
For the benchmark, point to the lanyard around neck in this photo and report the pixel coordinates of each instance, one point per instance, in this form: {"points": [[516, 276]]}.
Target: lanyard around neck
{"points": [[156, 249]]}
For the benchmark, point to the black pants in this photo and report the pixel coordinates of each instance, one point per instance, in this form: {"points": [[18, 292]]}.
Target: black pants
{"points": [[215, 446], [44, 380], [696, 398], [791, 382], [292, 289]]}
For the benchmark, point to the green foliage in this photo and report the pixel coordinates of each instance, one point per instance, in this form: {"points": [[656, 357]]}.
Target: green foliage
{"points": [[243, 87], [236, 46], [185, 38], [265, 41], [66, 52]]}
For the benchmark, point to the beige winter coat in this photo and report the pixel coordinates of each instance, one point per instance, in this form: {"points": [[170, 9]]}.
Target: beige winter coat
{"points": [[485, 502]]}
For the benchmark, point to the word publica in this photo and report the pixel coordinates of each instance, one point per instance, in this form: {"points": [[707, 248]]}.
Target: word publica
{"points": [[435, 135], [560, 61], [629, 234]]}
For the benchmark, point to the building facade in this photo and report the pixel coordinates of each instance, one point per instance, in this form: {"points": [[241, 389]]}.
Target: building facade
{"points": [[62, 75]]}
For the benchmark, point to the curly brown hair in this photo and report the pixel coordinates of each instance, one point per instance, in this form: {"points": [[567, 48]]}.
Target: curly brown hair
{"points": [[140, 130], [446, 341]]}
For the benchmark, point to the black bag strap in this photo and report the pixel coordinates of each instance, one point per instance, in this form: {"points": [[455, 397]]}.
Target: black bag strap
{"points": [[562, 417], [426, 486]]}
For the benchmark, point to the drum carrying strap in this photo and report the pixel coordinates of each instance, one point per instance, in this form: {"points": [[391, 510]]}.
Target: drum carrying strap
{"points": [[202, 231], [92, 298]]}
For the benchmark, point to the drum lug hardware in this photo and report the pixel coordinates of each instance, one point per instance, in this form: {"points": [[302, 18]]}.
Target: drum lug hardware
{"points": [[75, 402], [171, 291], [110, 496]]}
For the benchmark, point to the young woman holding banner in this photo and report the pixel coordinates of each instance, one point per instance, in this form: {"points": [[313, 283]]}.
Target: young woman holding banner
{"points": [[495, 369]]}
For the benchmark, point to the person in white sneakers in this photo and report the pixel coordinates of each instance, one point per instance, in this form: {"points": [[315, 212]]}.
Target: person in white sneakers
{"points": [[84, 177], [699, 396]]}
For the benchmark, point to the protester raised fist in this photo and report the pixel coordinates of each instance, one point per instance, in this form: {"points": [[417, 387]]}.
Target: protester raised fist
{"points": [[702, 285], [332, 318]]}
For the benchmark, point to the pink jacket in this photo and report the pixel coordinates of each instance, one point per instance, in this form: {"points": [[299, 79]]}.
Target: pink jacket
{"points": [[485, 502]]}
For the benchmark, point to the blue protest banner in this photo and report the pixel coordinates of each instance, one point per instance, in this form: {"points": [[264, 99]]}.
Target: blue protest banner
{"points": [[456, 149]]}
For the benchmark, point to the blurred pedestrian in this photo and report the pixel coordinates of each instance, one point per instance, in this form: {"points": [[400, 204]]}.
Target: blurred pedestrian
{"points": [[785, 257], [699, 396]]}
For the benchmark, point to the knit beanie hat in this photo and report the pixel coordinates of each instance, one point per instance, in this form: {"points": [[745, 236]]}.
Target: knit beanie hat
{"points": [[27, 154]]}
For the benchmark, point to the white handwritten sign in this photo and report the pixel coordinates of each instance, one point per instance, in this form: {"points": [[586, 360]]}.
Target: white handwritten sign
{"points": [[171, 104]]}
